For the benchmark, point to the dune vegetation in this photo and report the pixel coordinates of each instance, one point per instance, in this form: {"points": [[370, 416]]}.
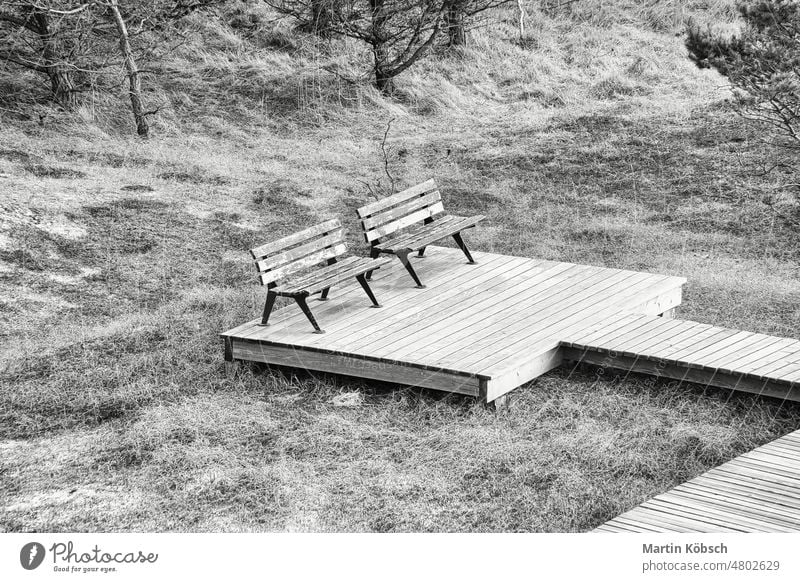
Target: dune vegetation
{"points": [[591, 139]]}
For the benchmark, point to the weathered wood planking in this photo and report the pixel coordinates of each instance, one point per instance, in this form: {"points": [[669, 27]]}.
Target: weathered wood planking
{"points": [[476, 329], [507, 320], [756, 492], [688, 351]]}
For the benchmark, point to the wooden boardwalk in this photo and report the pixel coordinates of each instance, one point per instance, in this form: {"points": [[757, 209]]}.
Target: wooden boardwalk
{"points": [[756, 492], [485, 329], [479, 329], [693, 352]]}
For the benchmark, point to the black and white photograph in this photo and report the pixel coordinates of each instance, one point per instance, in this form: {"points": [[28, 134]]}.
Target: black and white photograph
{"points": [[400, 266]]}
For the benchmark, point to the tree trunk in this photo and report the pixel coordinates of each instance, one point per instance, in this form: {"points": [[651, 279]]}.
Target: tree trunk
{"points": [[135, 85], [456, 30], [57, 70], [321, 17], [384, 78]]}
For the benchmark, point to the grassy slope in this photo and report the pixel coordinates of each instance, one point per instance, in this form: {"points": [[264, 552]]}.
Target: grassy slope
{"points": [[595, 141]]}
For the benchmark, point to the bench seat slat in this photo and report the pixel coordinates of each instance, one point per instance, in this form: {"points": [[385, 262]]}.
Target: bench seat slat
{"points": [[331, 275], [307, 261], [374, 207], [384, 217], [301, 279], [285, 257], [453, 228], [296, 238], [365, 265], [418, 231], [394, 226], [431, 233]]}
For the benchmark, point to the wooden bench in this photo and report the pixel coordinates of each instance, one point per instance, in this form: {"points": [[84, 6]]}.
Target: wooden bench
{"points": [[409, 221], [295, 261]]}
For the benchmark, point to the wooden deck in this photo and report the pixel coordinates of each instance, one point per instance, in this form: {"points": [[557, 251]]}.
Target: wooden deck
{"points": [[756, 492], [479, 329], [692, 352]]}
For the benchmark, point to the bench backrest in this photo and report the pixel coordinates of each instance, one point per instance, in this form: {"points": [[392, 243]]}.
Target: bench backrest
{"points": [[296, 252], [384, 217]]}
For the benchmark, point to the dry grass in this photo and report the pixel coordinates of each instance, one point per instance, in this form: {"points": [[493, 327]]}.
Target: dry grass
{"points": [[592, 141]]}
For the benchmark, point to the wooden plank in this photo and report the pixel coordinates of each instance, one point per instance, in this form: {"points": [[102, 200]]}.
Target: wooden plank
{"points": [[767, 467], [481, 329], [418, 190], [394, 294], [414, 217], [729, 342], [735, 351], [431, 235], [744, 360], [389, 281], [668, 337], [684, 373], [656, 514], [351, 366], [758, 493], [592, 332], [733, 515], [300, 264], [355, 332], [519, 367], [602, 340], [401, 240], [641, 522], [278, 259], [776, 361], [716, 334], [440, 307], [689, 335], [293, 239], [302, 279], [335, 274], [701, 339], [737, 467], [533, 312], [599, 300], [715, 514], [439, 324], [401, 210], [711, 518], [653, 330], [748, 507]]}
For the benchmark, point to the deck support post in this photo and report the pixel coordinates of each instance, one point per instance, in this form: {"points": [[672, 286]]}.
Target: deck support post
{"points": [[230, 364], [670, 313]]}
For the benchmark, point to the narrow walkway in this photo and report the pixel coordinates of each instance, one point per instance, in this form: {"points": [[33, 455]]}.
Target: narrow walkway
{"points": [[691, 352], [756, 492]]}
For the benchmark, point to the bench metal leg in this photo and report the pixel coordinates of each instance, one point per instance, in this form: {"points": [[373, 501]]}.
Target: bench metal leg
{"points": [[373, 254], [365, 285], [301, 301], [403, 256], [324, 295], [268, 307], [421, 252], [463, 247]]}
